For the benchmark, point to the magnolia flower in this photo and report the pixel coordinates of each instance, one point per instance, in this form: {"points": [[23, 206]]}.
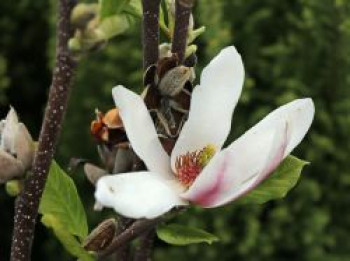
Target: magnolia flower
{"points": [[16, 148], [199, 170]]}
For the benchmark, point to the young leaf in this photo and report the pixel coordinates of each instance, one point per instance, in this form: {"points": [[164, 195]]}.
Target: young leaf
{"points": [[182, 235], [133, 8], [111, 7], [69, 242], [112, 26], [61, 200], [278, 184]]}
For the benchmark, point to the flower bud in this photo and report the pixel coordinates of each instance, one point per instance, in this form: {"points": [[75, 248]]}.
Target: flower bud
{"points": [[82, 14], [10, 167], [174, 80], [13, 187], [100, 238], [16, 148], [74, 45], [164, 50]]}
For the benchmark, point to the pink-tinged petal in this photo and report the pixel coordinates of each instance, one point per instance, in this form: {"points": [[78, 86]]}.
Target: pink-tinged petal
{"points": [[249, 160], [137, 195], [233, 170], [212, 104], [141, 131]]}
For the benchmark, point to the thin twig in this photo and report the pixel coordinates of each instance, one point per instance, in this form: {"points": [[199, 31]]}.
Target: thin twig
{"points": [[138, 228], [150, 32], [132, 232], [183, 11], [144, 250], [27, 203], [122, 253]]}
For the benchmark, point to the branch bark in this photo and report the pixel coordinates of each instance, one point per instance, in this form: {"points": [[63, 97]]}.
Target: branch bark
{"points": [[183, 10], [27, 203], [122, 253], [144, 250], [150, 32], [132, 232]]}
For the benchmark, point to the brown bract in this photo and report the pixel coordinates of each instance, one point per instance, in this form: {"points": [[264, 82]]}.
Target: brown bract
{"points": [[168, 104], [108, 128], [101, 237]]}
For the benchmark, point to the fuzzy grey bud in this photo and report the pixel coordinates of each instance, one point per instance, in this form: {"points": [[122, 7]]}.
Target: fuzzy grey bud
{"points": [[16, 148], [174, 80]]}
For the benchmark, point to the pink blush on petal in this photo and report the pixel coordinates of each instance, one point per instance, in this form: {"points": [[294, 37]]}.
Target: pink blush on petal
{"points": [[208, 196]]}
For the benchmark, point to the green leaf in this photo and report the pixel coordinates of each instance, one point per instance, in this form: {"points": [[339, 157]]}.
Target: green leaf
{"points": [[182, 235], [283, 179], [133, 8], [111, 7], [112, 26], [69, 242], [61, 200]]}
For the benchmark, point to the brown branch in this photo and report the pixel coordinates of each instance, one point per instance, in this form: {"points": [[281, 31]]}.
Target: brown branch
{"points": [[183, 11], [138, 228], [122, 253], [144, 250], [132, 232], [27, 203], [150, 32]]}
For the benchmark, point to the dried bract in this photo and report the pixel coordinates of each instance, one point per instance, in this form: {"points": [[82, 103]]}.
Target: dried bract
{"points": [[100, 238]]}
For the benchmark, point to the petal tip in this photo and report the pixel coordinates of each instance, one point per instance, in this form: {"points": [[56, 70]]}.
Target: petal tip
{"points": [[307, 104], [117, 90]]}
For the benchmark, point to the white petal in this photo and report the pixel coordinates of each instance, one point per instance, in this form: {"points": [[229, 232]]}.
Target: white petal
{"points": [[212, 104], [10, 167], [250, 159], [141, 131], [298, 114], [137, 194], [24, 146], [9, 132]]}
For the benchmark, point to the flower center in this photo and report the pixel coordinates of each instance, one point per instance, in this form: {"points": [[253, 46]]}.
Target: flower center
{"points": [[189, 165]]}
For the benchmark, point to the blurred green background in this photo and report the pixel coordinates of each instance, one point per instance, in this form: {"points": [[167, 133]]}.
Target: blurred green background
{"points": [[291, 49]]}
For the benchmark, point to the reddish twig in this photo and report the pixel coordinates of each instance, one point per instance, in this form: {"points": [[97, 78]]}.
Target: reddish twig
{"points": [[27, 203]]}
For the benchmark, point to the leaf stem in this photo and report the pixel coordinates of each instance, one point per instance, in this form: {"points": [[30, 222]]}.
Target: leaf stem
{"points": [[27, 203]]}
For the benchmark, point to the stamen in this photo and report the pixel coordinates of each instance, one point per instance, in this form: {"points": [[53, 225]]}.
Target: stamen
{"points": [[189, 166]]}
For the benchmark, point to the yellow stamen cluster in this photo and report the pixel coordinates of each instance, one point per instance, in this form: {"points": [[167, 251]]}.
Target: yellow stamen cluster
{"points": [[206, 155]]}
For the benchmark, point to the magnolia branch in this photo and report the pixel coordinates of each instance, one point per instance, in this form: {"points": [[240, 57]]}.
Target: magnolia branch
{"points": [[135, 230], [183, 10], [27, 203], [145, 229], [150, 31], [144, 250]]}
